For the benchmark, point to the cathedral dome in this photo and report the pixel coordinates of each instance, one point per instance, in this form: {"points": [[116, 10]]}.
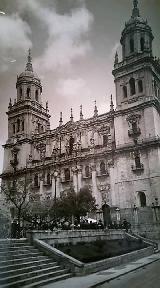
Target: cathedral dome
{"points": [[136, 21], [29, 75]]}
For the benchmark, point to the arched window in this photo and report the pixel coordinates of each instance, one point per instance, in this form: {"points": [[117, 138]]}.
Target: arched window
{"points": [[134, 127], [67, 174], [123, 50], [22, 125], [71, 142], [28, 92], [142, 43], [48, 178], [39, 127], [124, 91], [20, 92], [131, 45], [105, 140], [87, 171], [18, 125], [36, 180], [102, 168], [132, 86], [142, 199], [137, 161], [36, 95], [14, 129], [155, 87], [140, 86]]}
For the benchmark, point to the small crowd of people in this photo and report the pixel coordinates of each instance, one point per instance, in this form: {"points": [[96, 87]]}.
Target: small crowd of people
{"points": [[18, 231], [122, 225]]}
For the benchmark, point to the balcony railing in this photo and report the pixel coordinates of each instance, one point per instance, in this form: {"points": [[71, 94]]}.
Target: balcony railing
{"points": [[104, 174]]}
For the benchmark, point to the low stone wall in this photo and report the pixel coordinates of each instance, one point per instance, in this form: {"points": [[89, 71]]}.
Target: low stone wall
{"points": [[79, 268], [118, 260], [74, 236]]}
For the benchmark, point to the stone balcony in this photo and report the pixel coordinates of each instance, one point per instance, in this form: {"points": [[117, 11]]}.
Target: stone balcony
{"points": [[106, 174], [139, 168], [133, 132]]}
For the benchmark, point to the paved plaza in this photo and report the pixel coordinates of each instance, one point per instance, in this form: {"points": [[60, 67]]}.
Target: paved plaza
{"points": [[144, 270], [148, 277]]}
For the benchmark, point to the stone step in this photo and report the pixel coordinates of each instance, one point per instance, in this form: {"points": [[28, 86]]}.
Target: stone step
{"points": [[21, 264], [38, 283], [28, 269], [37, 278], [21, 260], [6, 268], [27, 276], [47, 281], [19, 256], [11, 248], [13, 242], [17, 251]]}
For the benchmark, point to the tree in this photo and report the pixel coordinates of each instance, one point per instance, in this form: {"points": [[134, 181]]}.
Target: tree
{"points": [[76, 204], [17, 196], [38, 213]]}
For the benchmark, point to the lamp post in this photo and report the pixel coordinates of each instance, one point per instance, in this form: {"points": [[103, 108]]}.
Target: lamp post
{"points": [[118, 215], [135, 214], [55, 192]]}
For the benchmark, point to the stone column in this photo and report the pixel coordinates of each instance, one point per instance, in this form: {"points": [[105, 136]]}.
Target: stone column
{"points": [[41, 187], [75, 182], [58, 186], [53, 187], [94, 183], [79, 177]]}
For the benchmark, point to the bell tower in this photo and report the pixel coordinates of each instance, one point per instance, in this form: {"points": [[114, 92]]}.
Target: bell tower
{"points": [[137, 74], [137, 115], [27, 115]]}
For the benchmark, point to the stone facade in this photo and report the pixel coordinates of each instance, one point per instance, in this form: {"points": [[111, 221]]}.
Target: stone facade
{"points": [[116, 154]]}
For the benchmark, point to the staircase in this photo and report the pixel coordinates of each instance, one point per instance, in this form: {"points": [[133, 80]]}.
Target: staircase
{"points": [[22, 265]]}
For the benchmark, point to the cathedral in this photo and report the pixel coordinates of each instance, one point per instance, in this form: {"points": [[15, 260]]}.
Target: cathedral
{"points": [[116, 154]]}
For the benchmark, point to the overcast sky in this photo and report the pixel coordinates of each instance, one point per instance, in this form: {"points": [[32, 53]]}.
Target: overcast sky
{"points": [[73, 44]]}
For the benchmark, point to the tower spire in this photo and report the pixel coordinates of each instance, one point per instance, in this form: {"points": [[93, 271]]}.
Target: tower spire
{"points": [[95, 109], [60, 120], [111, 105], [29, 61], [135, 11], [71, 118], [81, 113]]}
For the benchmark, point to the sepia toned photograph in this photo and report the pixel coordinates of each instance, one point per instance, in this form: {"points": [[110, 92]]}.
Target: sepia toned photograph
{"points": [[80, 143]]}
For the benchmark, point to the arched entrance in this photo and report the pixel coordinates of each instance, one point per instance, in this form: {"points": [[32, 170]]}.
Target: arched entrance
{"points": [[106, 214], [142, 199]]}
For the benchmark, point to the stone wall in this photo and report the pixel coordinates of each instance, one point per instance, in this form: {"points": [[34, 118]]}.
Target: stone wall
{"points": [[144, 220], [78, 267], [74, 236]]}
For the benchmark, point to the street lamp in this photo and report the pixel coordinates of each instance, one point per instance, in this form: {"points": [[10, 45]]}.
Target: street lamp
{"points": [[55, 191]]}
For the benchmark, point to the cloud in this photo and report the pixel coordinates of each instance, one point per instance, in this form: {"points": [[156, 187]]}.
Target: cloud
{"points": [[67, 34], [14, 39], [72, 87]]}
